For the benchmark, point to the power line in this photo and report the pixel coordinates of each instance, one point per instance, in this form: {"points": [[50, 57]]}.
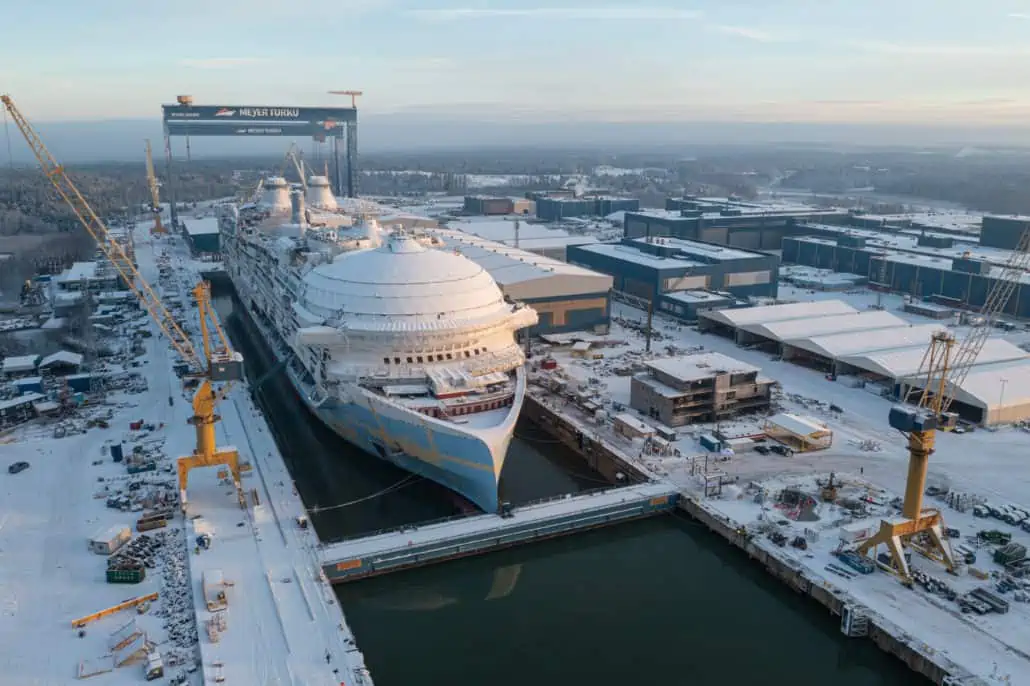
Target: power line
{"points": [[406, 481]]}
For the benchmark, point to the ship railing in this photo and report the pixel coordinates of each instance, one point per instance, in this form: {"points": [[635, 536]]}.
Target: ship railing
{"points": [[459, 517]]}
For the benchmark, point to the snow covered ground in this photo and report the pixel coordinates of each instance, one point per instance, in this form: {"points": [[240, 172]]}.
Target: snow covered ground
{"points": [[283, 624], [989, 464]]}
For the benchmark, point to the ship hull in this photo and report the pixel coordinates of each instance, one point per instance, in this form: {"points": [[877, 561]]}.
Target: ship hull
{"points": [[468, 463]]}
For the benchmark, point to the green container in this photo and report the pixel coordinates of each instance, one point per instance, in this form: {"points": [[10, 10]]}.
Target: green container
{"points": [[126, 576]]}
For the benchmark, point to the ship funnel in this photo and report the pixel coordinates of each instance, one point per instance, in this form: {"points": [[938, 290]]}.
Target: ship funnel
{"points": [[320, 196], [297, 207]]}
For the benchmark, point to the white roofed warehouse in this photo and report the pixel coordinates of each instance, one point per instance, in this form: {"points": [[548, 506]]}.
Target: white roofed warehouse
{"points": [[566, 297], [800, 433], [202, 235], [993, 394]]}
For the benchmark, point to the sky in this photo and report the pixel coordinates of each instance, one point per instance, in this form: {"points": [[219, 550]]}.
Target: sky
{"points": [[868, 61]]}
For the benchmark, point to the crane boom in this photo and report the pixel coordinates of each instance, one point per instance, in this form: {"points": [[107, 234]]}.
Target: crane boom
{"points": [[997, 299], [155, 194], [100, 233]]}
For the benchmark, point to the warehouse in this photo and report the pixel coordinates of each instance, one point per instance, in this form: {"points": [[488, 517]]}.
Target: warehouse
{"points": [[993, 393], [699, 388], [648, 268], [687, 305], [729, 322], [566, 297], [771, 335], [536, 238], [800, 433], [960, 275], [753, 226], [1003, 232], [202, 235], [823, 352], [556, 209], [486, 204], [891, 366]]}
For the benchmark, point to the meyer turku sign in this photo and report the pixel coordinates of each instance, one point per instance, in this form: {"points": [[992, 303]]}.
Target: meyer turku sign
{"points": [[320, 123]]}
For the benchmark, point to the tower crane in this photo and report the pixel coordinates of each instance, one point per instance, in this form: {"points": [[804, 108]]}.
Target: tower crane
{"points": [[218, 364], [944, 368], [155, 197]]}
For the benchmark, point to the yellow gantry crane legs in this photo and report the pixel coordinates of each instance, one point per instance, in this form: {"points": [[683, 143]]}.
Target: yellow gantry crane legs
{"points": [[155, 195], [220, 364]]}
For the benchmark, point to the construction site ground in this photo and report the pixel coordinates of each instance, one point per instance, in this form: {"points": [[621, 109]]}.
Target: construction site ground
{"points": [[990, 464], [283, 623]]}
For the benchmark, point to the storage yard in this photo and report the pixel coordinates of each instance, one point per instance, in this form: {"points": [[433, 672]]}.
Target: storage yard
{"points": [[93, 518]]}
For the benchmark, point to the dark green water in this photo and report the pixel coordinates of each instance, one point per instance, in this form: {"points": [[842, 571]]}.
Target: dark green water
{"points": [[658, 601]]}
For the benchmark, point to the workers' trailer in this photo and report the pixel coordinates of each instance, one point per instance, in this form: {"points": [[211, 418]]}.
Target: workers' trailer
{"points": [[108, 541]]}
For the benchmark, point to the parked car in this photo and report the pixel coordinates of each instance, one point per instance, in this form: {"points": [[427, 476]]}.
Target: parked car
{"points": [[18, 467]]}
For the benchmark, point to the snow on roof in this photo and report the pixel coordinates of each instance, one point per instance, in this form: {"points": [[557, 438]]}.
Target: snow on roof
{"points": [[26, 399], [28, 381], [531, 236], [693, 297], [835, 345], [510, 266], [20, 363], [995, 386], [797, 425], [702, 366], [904, 362], [806, 327], [628, 253], [62, 357], [707, 251], [79, 271], [200, 227], [54, 323], [631, 421], [773, 313]]}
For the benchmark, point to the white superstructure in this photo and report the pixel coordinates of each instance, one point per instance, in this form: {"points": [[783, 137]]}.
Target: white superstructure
{"points": [[405, 348]]}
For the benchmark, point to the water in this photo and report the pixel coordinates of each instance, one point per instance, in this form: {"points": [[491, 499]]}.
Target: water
{"points": [[658, 600]]}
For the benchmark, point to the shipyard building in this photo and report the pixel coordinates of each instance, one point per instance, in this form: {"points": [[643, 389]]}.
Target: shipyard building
{"points": [[699, 388], [495, 205], [879, 349], [566, 297], [725, 221], [949, 270], [551, 206], [649, 268], [536, 238]]}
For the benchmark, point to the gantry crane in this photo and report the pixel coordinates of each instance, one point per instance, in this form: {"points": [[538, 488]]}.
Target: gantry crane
{"points": [[219, 364], [354, 95], [155, 195], [941, 374]]}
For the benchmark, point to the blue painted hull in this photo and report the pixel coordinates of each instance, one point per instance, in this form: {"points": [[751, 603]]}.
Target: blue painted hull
{"points": [[358, 425]]}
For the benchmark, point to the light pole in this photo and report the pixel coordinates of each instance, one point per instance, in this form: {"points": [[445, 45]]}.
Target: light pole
{"points": [[1001, 397]]}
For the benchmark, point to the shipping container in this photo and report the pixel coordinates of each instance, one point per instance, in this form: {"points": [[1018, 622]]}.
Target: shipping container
{"points": [[116, 452], [130, 575], [151, 523], [140, 468]]}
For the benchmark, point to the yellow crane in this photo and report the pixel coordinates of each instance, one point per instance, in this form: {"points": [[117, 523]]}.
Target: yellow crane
{"points": [[944, 367], [155, 196], [219, 364]]}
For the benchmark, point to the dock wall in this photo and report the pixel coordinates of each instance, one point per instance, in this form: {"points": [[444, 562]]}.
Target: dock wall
{"points": [[604, 457]]}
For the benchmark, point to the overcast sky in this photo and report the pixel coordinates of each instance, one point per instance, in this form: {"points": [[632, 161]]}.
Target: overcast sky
{"points": [[953, 61]]}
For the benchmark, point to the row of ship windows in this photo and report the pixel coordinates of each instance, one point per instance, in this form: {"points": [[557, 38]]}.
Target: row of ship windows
{"points": [[420, 359]]}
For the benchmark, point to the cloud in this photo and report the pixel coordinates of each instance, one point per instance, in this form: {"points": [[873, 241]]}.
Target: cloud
{"points": [[221, 62], [1018, 15], [749, 33], [584, 13]]}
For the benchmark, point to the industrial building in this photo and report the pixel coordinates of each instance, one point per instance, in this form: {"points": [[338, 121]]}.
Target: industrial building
{"points": [[942, 268], [800, 433], [687, 305], [699, 388], [553, 207], [535, 238], [202, 235], [648, 268], [1002, 232], [566, 297], [90, 277], [724, 221], [494, 205]]}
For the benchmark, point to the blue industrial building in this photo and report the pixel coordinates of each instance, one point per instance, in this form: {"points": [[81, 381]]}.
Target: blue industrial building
{"points": [[647, 268], [959, 274], [1002, 232], [202, 236], [557, 208], [723, 221]]}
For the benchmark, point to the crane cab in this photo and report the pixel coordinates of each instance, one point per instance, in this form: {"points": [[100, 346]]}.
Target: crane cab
{"points": [[226, 367]]}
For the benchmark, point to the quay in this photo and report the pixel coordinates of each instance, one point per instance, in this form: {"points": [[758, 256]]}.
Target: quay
{"points": [[415, 546], [857, 620]]}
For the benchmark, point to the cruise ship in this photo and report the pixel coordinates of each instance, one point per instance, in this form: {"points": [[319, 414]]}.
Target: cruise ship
{"points": [[403, 347]]}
